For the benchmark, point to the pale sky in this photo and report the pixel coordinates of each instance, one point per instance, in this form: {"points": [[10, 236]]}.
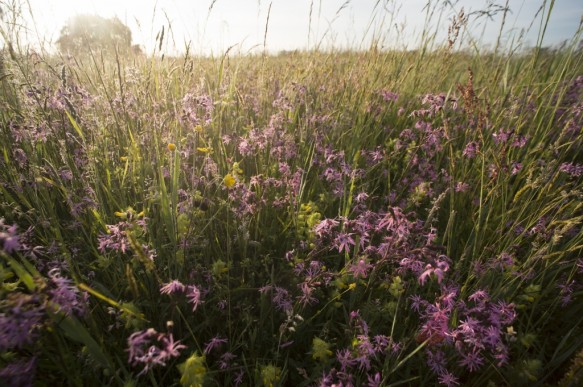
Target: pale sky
{"points": [[338, 23]]}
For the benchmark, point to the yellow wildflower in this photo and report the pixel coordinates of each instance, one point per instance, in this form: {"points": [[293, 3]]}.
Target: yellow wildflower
{"points": [[237, 169], [229, 180], [171, 147], [270, 375], [193, 371], [128, 213], [320, 349], [219, 268]]}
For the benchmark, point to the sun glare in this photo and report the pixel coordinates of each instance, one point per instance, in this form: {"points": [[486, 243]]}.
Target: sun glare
{"points": [[49, 17], [214, 26]]}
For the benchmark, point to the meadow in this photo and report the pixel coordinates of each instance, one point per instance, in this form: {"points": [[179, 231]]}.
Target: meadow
{"points": [[370, 218]]}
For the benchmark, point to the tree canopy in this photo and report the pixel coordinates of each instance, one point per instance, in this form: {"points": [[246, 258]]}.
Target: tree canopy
{"points": [[84, 32]]}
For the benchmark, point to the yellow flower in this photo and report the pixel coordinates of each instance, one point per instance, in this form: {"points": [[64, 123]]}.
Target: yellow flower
{"points": [[171, 147], [236, 169], [193, 371], [204, 149], [270, 375], [229, 180], [219, 268], [352, 286], [128, 213], [320, 349]]}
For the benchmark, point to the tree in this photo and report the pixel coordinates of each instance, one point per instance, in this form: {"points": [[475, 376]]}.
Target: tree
{"points": [[85, 32]]}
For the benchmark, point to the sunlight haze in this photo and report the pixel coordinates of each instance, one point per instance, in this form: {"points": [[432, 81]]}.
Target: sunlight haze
{"points": [[214, 26]]}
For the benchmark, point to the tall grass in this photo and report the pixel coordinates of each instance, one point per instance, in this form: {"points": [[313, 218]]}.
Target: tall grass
{"points": [[311, 218]]}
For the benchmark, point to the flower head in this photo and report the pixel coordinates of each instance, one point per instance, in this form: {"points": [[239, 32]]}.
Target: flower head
{"points": [[66, 295], [150, 348], [193, 371], [213, 343], [193, 294], [448, 379], [472, 360], [19, 325], [320, 349], [471, 150], [439, 270], [172, 287], [8, 237], [270, 375], [360, 269], [229, 180], [19, 373]]}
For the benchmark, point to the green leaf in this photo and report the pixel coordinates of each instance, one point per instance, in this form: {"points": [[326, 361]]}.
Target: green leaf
{"points": [[75, 125], [23, 274], [73, 329]]}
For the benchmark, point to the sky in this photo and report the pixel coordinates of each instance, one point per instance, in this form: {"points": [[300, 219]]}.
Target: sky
{"points": [[212, 26]]}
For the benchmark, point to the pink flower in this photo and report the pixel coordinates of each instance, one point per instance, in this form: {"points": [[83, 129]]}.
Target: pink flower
{"points": [[343, 242], [462, 187], [360, 269], [150, 348], [471, 150], [374, 381], [226, 359], [448, 379], [345, 359], [193, 295], [325, 227], [307, 298], [213, 343], [472, 360], [8, 237], [170, 347], [172, 287], [439, 271]]}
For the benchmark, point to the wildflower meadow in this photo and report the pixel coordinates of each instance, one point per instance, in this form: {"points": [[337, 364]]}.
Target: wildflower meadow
{"points": [[314, 218]]}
